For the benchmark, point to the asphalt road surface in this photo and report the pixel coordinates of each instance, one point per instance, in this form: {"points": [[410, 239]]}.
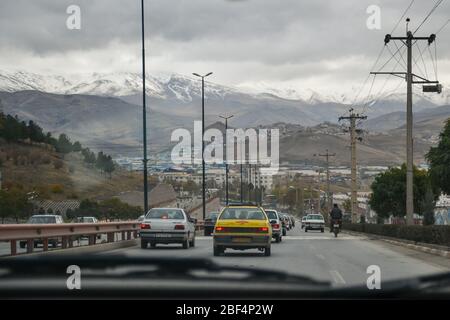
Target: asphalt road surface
{"points": [[342, 261]]}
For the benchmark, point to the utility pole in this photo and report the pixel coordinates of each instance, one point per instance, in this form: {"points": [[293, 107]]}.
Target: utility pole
{"points": [[327, 156], [144, 114], [409, 77], [353, 137], [242, 175], [226, 153]]}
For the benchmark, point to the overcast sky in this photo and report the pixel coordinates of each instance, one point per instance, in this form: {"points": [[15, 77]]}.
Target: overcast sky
{"points": [[307, 43]]}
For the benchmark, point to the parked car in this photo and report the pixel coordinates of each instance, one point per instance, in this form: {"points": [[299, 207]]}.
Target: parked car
{"points": [[314, 222], [141, 218], [43, 219], [167, 225], [210, 222], [275, 221]]}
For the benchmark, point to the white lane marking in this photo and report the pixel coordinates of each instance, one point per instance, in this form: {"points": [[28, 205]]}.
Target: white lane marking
{"points": [[337, 277], [320, 256]]}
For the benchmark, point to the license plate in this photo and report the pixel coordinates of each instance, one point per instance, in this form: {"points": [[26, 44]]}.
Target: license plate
{"points": [[163, 235], [241, 240], [336, 226]]}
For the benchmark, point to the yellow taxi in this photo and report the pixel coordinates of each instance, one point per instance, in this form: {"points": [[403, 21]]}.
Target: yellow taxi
{"points": [[241, 227]]}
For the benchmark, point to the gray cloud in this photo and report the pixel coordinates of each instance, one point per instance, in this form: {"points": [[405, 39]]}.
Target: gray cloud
{"points": [[300, 38]]}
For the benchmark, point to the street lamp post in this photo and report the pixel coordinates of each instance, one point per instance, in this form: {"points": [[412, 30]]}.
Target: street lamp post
{"points": [[226, 154], [144, 114], [203, 142]]}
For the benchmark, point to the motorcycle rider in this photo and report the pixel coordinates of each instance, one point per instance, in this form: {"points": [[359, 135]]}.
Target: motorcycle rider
{"points": [[335, 214]]}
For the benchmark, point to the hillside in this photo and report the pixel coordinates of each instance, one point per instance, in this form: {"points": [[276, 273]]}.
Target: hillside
{"points": [[36, 168]]}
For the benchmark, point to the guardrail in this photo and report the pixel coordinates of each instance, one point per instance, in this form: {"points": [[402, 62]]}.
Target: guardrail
{"points": [[67, 233]]}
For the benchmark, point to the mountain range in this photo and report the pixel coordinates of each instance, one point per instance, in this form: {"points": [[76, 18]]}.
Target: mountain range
{"points": [[104, 110]]}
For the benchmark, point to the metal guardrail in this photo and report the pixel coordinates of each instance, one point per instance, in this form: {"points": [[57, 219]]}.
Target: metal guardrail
{"points": [[66, 232]]}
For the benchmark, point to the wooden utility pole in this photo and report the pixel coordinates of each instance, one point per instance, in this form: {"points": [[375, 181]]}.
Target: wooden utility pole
{"points": [[353, 137], [409, 77]]}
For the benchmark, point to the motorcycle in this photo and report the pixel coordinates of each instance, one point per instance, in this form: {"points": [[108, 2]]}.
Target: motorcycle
{"points": [[336, 227]]}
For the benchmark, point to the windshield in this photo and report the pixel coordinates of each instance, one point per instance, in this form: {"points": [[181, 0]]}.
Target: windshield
{"points": [[156, 129], [42, 219], [242, 214], [165, 214], [213, 216], [271, 214], [315, 217]]}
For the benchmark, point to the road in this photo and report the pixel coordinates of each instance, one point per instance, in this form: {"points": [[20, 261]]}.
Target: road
{"points": [[342, 261]]}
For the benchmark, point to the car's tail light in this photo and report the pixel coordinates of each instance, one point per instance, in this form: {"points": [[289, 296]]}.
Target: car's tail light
{"points": [[263, 229], [276, 226], [145, 226], [220, 229], [179, 227]]}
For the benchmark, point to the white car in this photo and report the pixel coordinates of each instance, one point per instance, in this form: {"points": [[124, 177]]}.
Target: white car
{"points": [[314, 222], [167, 225], [86, 220], [303, 222]]}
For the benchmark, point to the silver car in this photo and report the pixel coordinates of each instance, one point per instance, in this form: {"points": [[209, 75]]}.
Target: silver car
{"points": [[167, 225]]}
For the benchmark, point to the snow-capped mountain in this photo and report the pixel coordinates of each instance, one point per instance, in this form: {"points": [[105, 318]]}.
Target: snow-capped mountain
{"points": [[289, 92], [110, 84], [185, 88]]}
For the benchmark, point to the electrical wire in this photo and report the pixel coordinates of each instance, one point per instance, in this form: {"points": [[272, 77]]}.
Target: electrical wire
{"points": [[423, 61], [437, 4], [403, 15], [380, 54]]}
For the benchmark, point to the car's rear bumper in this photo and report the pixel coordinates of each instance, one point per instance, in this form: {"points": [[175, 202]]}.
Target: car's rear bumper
{"points": [[315, 227], [243, 241], [164, 237]]}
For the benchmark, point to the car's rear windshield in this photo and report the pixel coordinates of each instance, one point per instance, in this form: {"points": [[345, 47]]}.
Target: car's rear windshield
{"points": [[165, 214], [242, 214], [213, 215], [271, 214], [315, 217], [38, 220]]}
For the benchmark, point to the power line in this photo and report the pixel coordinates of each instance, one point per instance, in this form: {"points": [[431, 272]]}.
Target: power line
{"points": [[443, 26], [403, 15], [380, 54], [423, 61], [437, 4]]}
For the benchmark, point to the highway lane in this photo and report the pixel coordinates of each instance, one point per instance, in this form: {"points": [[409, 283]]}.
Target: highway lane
{"points": [[342, 261]]}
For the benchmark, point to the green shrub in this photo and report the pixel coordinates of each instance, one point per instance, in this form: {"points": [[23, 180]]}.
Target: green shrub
{"points": [[439, 235]]}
